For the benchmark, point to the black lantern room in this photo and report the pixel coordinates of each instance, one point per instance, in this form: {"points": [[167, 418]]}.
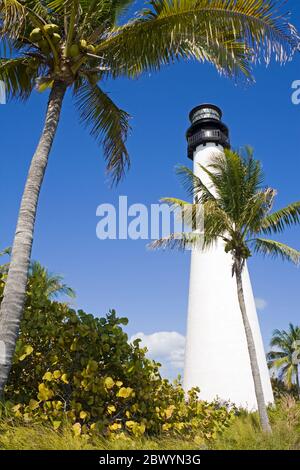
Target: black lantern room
{"points": [[206, 127]]}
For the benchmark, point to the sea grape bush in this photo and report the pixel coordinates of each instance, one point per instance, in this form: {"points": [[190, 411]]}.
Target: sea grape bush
{"points": [[72, 367]]}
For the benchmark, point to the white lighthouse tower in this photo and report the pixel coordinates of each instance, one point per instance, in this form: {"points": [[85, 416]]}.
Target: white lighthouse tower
{"points": [[216, 356]]}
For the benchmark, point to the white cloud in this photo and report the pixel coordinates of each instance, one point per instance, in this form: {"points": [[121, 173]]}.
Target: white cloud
{"points": [[261, 304], [166, 347]]}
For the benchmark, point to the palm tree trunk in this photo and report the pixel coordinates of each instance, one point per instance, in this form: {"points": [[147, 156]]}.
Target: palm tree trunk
{"points": [[15, 289], [262, 409]]}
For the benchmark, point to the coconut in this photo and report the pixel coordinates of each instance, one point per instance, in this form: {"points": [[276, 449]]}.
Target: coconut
{"points": [[83, 44], [74, 50], [56, 38], [51, 28], [35, 35], [90, 48], [44, 46]]}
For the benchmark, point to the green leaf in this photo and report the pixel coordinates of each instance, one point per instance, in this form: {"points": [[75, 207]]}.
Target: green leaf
{"points": [[125, 392], [276, 249], [278, 221], [48, 376], [44, 85], [109, 383], [56, 424], [108, 124]]}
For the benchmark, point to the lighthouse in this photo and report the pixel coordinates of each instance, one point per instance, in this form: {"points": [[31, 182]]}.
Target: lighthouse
{"points": [[216, 356]]}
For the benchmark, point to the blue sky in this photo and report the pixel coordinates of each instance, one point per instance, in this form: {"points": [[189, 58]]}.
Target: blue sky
{"points": [[151, 288]]}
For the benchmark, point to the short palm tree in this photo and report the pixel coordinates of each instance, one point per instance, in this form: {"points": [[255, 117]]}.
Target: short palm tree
{"points": [[44, 283], [239, 213], [77, 44], [285, 357], [41, 282], [4, 267]]}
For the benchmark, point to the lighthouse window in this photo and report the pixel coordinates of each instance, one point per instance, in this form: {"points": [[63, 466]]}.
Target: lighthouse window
{"points": [[205, 113], [211, 133]]}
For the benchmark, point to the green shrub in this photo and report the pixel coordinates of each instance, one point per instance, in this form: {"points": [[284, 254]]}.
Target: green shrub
{"points": [[71, 368]]}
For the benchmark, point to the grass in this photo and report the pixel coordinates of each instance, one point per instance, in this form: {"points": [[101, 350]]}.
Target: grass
{"points": [[39, 437], [243, 434]]}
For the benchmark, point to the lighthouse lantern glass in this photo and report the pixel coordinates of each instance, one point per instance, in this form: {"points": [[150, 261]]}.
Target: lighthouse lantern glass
{"points": [[206, 113]]}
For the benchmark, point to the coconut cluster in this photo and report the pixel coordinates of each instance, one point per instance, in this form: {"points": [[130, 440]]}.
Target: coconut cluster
{"points": [[38, 36], [81, 47]]}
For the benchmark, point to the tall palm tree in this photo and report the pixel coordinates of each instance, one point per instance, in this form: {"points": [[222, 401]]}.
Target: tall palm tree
{"points": [[239, 213], [285, 358], [75, 44]]}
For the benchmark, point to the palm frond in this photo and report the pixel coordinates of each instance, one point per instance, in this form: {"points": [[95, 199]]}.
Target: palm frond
{"points": [[279, 220], [157, 40], [12, 17], [288, 374], [276, 249], [178, 241], [191, 215], [46, 283], [6, 251], [285, 339], [282, 357], [108, 124], [279, 362], [274, 355], [175, 203], [18, 77], [255, 209], [208, 218], [194, 185], [228, 34], [217, 224], [40, 8], [4, 267], [121, 7]]}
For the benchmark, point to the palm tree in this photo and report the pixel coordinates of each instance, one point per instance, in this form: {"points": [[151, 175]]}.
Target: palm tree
{"points": [[41, 282], [75, 44], [239, 213], [4, 267], [44, 283], [285, 357]]}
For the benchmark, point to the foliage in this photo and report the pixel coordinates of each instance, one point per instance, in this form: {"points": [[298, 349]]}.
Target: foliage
{"points": [[84, 43], [285, 357], [4, 267], [44, 283], [280, 390], [245, 432], [42, 437], [239, 212], [71, 368]]}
